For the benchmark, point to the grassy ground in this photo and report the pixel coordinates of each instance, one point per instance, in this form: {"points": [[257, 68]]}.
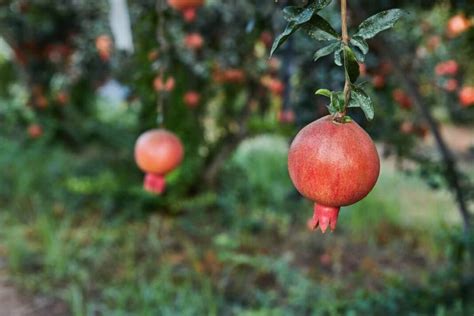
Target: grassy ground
{"points": [[396, 252]]}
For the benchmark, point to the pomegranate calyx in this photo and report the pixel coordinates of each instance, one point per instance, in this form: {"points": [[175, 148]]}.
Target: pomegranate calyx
{"points": [[154, 183], [323, 217]]}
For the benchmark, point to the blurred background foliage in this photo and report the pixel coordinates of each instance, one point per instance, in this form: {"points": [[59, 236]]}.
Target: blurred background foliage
{"points": [[229, 236]]}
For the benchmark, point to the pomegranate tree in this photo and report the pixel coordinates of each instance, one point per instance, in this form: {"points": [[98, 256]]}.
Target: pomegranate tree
{"points": [[333, 161], [157, 152]]}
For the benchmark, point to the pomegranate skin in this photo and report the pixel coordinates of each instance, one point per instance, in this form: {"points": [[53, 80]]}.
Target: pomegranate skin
{"points": [[333, 164], [158, 151], [185, 4]]}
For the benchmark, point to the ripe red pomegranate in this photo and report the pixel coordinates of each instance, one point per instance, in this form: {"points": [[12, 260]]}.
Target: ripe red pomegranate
{"points": [[186, 7], [157, 152], [378, 81], [163, 85], [333, 164], [35, 130], [466, 96], [449, 67], [191, 99], [451, 85], [402, 99], [193, 41], [458, 24]]}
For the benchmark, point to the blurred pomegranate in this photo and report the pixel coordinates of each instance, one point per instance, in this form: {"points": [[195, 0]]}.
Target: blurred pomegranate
{"points": [[451, 85], [157, 152], [378, 81], [267, 38], [103, 44], [333, 164], [193, 41], [286, 116], [187, 8], [231, 75], [457, 25], [449, 67], [62, 97], [402, 99], [163, 85], [192, 98], [466, 96], [276, 86], [35, 131]]}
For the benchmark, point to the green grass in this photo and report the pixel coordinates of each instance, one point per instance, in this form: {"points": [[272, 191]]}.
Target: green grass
{"points": [[396, 252]]}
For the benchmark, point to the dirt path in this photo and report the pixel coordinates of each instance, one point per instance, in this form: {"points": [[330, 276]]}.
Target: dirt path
{"points": [[13, 303]]}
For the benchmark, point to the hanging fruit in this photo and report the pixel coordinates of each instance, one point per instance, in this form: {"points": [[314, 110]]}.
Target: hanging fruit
{"points": [[333, 164], [157, 152], [186, 7], [333, 161]]}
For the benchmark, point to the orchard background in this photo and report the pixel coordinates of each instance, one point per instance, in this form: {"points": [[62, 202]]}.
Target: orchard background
{"points": [[81, 80]]}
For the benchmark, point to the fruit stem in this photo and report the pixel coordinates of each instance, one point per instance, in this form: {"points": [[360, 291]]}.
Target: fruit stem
{"points": [[345, 40]]}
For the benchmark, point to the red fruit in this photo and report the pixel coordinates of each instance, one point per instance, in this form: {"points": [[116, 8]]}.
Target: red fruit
{"points": [[402, 99], [458, 24], [193, 41], [189, 15], [286, 116], [232, 75], [192, 98], [267, 38], [163, 85], [333, 164], [157, 152], [62, 97], [451, 85], [378, 81], [187, 8], [466, 96], [103, 44], [181, 5], [35, 130], [449, 67]]}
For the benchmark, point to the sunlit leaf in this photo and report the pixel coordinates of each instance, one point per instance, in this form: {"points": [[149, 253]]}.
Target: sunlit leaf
{"points": [[378, 23]]}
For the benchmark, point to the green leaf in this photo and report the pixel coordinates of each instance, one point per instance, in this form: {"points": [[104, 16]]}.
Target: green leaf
{"points": [[350, 64], [338, 57], [378, 23], [358, 54], [331, 48], [360, 43], [337, 101], [324, 92], [280, 39], [360, 99], [320, 29], [302, 15], [291, 13]]}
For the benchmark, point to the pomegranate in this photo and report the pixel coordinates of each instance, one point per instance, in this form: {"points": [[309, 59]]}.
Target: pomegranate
{"points": [[378, 81], [35, 130], [191, 99], [333, 164], [193, 41], [157, 152], [286, 116], [457, 24], [186, 7], [103, 44], [402, 99], [451, 85], [449, 67], [163, 85], [466, 96]]}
